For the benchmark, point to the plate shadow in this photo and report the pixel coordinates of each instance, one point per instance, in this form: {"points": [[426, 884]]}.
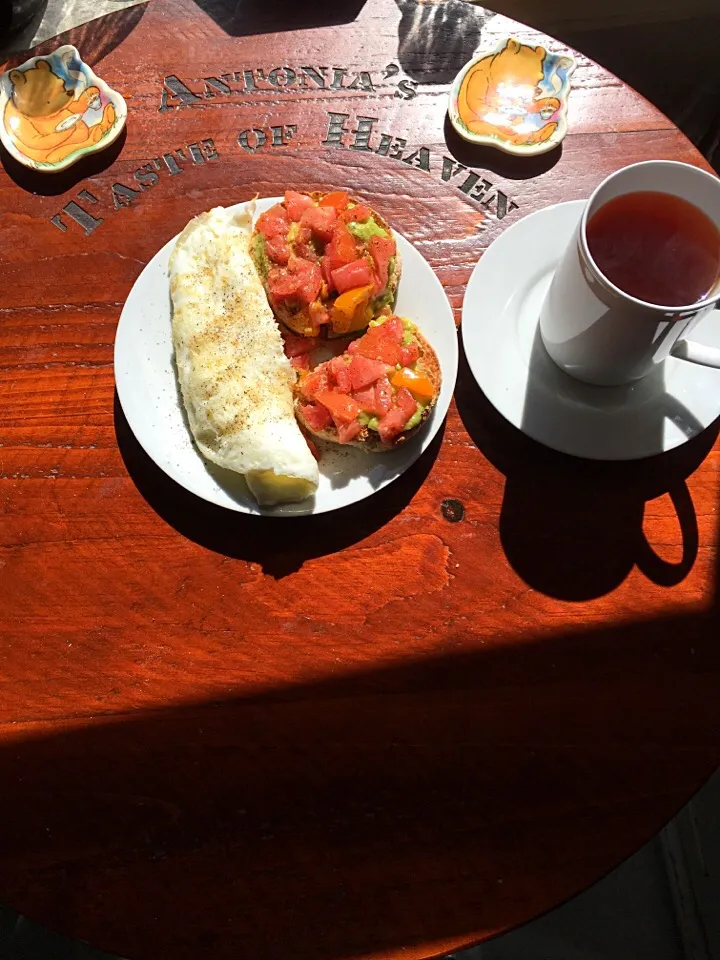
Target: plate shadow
{"points": [[279, 549]]}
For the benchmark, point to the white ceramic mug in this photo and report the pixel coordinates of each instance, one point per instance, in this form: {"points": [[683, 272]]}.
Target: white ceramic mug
{"points": [[596, 332]]}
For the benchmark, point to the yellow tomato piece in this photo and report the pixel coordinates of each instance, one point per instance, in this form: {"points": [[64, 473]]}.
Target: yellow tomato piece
{"points": [[349, 309], [418, 384], [363, 316], [348, 302]]}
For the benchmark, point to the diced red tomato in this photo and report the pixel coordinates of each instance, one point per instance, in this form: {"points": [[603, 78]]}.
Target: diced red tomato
{"points": [[391, 329], [347, 431], [340, 373], [364, 371], [301, 361], [337, 199], [304, 247], [409, 354], [381, 249], [327, 274], [406, 401], [394, 421], [351, 275], [391, 424], [316, 416], [296, 346], [295, 203], [343, 408], [278, 249], [376, 399], [274, 222], [316, 383], [281, 283], [300, 281], [383, 396], [359, 213], [321, 220], [365, 398], [378, 348], [342, 248]]}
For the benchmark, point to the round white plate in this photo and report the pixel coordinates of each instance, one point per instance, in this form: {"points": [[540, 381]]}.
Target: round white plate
{"points": [[507, 358], [151, 402]]}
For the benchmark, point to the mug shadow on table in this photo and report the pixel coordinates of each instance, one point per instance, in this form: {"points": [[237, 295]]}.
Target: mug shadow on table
{"points": [[282, 544], [573, 528]]}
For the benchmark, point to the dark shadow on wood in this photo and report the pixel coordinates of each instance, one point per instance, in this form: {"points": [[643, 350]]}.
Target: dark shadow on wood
{"points": [[506, 165], [242, 18], [16, 30], [436, 40], [689, 94], [55, 184], [280, 545], [364, 813], [94, 40]]}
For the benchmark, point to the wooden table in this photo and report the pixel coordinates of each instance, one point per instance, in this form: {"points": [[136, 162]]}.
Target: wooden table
{"points": [[386, 732]]}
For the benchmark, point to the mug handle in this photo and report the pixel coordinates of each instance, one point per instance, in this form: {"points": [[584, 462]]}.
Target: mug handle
{"points": [[697, 352]]}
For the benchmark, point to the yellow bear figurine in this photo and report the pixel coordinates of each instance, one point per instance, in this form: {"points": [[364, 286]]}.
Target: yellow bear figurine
{"points": [[44, 119], [499, 97]]}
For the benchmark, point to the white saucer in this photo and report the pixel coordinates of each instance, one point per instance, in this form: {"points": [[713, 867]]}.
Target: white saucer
{"points": [[508, 360]]}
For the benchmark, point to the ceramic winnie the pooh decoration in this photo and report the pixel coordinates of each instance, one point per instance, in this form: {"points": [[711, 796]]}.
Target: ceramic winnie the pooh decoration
{"points": [[514, 98], [55, 110]]}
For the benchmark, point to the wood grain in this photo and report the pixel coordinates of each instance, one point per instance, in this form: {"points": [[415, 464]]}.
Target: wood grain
{"points": [[373, 734]]}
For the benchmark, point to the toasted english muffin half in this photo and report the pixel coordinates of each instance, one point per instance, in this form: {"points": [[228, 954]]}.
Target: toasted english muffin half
{"points": [[321, 316], [370, 430]]}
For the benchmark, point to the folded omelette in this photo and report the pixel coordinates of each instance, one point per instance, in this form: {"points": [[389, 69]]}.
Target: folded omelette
{"points": [[236, 382]]}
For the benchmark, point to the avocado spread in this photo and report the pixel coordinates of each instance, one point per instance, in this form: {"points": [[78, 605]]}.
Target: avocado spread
{"points": [[409, 334], [363, 231], [386, 299], [415, 418], [260, 256], [367, 420]]}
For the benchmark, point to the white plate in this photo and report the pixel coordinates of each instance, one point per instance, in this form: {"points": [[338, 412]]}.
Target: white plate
{"points": [[150, 400], [508, 360]]}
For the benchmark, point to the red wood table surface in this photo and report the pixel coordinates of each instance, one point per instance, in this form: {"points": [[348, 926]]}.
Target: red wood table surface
{"points": [[385, 732]]}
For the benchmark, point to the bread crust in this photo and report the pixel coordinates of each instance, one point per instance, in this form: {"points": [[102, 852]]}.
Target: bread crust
{"points": [[368, 440]]}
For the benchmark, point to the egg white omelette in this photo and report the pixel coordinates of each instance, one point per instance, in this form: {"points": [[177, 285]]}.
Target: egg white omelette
{"points": [[236, 382]]}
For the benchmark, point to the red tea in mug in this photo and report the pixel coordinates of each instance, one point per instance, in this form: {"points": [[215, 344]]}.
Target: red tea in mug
{"points": [[656, 247]]}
